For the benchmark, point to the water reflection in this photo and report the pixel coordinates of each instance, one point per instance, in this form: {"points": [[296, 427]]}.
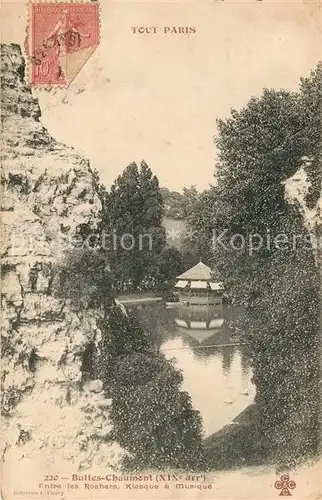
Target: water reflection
{"points": [[200, 322], [156, 320], [217, 378]]}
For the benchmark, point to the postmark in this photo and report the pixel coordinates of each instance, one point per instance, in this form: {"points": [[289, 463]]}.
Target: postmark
{"points": [[61, 37]]}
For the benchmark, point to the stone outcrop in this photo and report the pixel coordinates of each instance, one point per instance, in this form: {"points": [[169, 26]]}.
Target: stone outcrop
{"points": [[297, 188], [51, 415]]}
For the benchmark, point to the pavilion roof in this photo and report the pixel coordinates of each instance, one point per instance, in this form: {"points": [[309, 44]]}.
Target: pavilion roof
{"points": [[198, 272]]}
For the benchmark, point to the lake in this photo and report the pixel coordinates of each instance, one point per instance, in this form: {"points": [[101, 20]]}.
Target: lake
{"points": [[218, 379]]}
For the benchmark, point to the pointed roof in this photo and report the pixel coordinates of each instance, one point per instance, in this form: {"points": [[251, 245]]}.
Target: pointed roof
{"points": [[198, 272]]}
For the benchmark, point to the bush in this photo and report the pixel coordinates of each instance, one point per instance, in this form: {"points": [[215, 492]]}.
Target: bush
{"points": [[153, 419], [84, 278]]}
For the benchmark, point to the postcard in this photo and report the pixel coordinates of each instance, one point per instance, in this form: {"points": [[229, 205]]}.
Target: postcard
{"points": [[161, 242]]}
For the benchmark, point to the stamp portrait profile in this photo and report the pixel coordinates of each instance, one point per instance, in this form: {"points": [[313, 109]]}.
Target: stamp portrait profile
{"points": [[61, 38]]}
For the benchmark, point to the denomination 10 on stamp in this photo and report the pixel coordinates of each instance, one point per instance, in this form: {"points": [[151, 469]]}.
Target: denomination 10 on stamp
{"points": [[60, 39]]}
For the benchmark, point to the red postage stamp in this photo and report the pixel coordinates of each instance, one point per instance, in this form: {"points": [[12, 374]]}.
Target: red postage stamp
{"points": [[61, 38]]}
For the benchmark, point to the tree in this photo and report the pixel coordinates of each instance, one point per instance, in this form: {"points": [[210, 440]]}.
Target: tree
{"points": [[122, 336], [200, 224], [170, 266], [311, 102], [152, 418], [179, 206], [189, 200], [261, 146], [173, 205], [132, 218]]}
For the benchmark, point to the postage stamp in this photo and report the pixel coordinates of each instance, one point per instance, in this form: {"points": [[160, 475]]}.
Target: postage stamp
{"points": [[60, 39]]}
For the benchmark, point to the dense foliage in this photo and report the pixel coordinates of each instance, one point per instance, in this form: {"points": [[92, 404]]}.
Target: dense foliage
{"points": [[200, 223], [261, 146], [84, 278], [179, 205], [152, 418], [132, 227], [311, 100]]}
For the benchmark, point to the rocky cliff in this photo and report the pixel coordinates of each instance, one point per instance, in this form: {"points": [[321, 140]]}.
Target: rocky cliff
{"points": [[297, 188], [51, 415]]}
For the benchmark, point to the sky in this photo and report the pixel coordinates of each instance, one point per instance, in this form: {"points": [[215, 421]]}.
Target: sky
{"points": [[157, 96]]}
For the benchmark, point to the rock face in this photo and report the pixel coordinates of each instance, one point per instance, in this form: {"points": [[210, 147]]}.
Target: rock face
{"points": [[50, 414], [297, 188]]}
